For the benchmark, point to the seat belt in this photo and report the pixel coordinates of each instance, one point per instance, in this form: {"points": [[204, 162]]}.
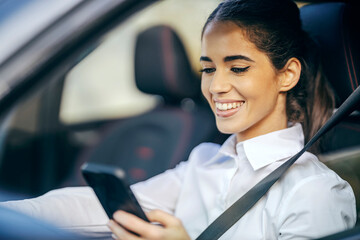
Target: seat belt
{"points": [[227, 219]]}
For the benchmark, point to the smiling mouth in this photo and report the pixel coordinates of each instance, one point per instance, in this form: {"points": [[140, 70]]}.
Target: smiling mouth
{"points": [[228, 109], [228, 106]]}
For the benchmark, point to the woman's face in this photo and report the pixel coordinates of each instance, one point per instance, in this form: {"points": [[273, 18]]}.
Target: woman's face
{"points": [[240, 83]]}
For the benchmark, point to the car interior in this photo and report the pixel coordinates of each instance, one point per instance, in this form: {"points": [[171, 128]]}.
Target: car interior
{"points": [[337, 40], [161, 138], [164, 132], [51, 151]]}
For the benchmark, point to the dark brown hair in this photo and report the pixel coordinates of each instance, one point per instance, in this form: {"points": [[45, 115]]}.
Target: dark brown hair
{"points": [[275, 29]]}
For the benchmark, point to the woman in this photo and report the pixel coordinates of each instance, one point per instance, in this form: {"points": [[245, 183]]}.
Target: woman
{"points": [[259, 75]]}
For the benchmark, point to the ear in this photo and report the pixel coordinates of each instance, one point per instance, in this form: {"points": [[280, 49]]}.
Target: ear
{"points": [[290, 74]]}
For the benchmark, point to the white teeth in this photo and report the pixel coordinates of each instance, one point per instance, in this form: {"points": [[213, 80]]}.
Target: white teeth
{"points": [[228, 106]]}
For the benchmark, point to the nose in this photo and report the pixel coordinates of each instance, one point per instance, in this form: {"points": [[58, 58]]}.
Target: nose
{"points": [[219, 83]]}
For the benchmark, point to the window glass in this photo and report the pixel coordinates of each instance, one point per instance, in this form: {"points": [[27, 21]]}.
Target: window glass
{"points": [[102, 86], [18, 23]]}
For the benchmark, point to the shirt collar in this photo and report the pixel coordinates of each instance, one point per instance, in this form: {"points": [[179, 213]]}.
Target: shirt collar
{"points": [[228, 147], [268, 148]]}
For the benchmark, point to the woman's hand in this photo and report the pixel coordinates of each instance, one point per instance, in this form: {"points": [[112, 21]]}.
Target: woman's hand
{"points": [[171, 228]]}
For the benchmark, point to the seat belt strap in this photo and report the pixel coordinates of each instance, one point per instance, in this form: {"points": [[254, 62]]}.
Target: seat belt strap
{"points": [[227, 219]]}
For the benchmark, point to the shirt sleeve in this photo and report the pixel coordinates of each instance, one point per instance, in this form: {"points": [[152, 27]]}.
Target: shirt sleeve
{"points": [[317, 206], [162, 191], [73, 208]]}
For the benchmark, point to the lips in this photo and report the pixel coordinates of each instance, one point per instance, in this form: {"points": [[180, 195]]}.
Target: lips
{"points": [[227, 108]]}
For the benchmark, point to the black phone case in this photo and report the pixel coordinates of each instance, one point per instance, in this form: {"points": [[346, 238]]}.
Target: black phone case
{"points": [[109, 185]]}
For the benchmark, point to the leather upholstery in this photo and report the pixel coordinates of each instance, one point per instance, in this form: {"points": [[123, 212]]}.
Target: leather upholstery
{"points": [[162, 66], [333, 28]]}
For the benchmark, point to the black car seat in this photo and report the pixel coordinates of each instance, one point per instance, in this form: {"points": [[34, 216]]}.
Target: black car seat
{"points": [[334, 28], [150, 143]]}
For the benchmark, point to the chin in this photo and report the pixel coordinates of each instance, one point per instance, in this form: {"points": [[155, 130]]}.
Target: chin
{"points": [[224, 128]]}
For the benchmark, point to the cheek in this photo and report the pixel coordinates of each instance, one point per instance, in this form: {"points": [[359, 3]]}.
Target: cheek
{"points": [[259, 88], [263, 99], [205, 85]]}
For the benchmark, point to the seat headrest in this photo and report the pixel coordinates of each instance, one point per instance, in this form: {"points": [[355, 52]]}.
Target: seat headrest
{"points": [[162, 66], [332, 27]]}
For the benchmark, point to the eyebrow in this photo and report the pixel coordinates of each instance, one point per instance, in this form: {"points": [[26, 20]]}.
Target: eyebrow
{"points": [[228, 58], [206, 59], [236, 57]]}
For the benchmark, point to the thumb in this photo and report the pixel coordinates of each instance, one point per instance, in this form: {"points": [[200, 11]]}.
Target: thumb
{"points": [[166, 219]]}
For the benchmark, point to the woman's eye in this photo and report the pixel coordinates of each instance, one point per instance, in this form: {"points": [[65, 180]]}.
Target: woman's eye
{"points": [[207, 70], [240, 70]]}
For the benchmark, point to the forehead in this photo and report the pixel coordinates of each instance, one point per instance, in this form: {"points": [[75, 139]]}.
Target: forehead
{"points": [[226, 37]]}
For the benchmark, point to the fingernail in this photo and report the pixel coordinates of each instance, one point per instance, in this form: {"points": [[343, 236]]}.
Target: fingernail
{"points": [[113, 236], [110, 223]]}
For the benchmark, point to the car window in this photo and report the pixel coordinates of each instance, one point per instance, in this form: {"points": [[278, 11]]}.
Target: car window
{"points": [[102, 85], [18, 24]]}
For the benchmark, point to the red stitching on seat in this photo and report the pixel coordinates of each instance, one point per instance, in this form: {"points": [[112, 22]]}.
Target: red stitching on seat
{"points": [[351, 127], [344, 47], [352, 63], [347, 62]]}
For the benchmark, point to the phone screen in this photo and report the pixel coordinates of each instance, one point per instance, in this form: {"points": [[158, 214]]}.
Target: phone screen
{"points": [[110, 187]]}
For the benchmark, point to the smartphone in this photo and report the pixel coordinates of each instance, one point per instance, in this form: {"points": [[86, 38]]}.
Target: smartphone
{"points": [[110, 187]]}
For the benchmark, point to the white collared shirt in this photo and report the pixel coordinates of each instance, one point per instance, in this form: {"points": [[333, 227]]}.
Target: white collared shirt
{"points": [[309, 201]]}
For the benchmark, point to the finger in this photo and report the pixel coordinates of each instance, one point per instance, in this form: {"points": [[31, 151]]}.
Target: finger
{"points": [[120, 232], [166, 219], [135, 224]]}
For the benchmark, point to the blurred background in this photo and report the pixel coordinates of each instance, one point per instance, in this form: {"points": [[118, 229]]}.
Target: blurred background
{"points": [[53, 129], [102, 85]]}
